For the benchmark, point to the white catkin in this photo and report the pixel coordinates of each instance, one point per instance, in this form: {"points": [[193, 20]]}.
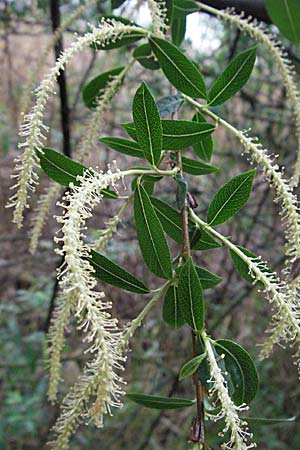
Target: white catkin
{"points": [[261, 34], [158, 11], [77, 285], [290, 210], [33, 129], [278, 292], [91, 130], [36, 69], [238, 429]]}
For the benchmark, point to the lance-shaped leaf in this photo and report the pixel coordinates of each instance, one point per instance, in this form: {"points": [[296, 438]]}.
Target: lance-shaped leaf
{"points": [[169, 104], [129, 127], [65, 170], [143, 54], [234, 77], [124, 146], [93, 89], [230, 198], [242, 267], [241, 369], [178, 134], [125, 39], [150, 235], [286, 15], [191, 366], [184, 7], [263, 421], [197, 168], [155, 402], [207, 278], [147, 124], [190, 296], [179, 70], [204, 147], [109, 272], [171, 311], [178, 30], [201, 240], [116, 3], [169, 218]]}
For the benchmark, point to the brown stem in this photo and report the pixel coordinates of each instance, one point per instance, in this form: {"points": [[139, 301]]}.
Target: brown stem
{"points": [[197, 433]]}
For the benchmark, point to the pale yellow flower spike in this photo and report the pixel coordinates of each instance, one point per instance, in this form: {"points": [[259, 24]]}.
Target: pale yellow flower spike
{"points": [[158, 11], [237, 427], [33, 130], [101, 332], [261, 34], [91, 130], [36, 69]]}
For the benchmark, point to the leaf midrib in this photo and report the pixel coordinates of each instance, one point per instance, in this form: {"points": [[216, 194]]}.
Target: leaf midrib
{"points": [[149, 231], [94, 263], [231, 80], [182, 73], [229, 198], [238, 364]]}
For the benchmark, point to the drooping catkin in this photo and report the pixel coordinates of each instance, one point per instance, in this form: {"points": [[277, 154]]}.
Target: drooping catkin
{"points": [[92, 129], [77, 285], [158, 11], [259, 32], [237, 428], [33, 129]]}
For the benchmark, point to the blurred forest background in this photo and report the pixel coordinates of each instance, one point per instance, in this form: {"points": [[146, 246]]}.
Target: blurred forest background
{"points": [[28, 285]]}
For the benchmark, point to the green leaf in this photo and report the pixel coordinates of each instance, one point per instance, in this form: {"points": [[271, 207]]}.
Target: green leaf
{"points": [[65, 170], [256, 421], [191, 366], [241, 267], [207, 278], [230, 198], [129, 127], [181, 190], [109, 272], [286, 15], [152, 401], [124, 146], [201, 240], [93, 89], [178, 29], [147, 124], [117, 3], [169, 105], [241, 369], [234, 77], [169, 218], [197, 168], [150, 234], [178, 134], [168, 4], [179, 70], [171, 311], [184, 7], [204, 147], [143, 54], [190, 296], [126, 39]]}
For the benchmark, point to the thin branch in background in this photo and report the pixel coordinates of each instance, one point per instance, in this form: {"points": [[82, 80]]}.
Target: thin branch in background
{"points": [[65, 122]]}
